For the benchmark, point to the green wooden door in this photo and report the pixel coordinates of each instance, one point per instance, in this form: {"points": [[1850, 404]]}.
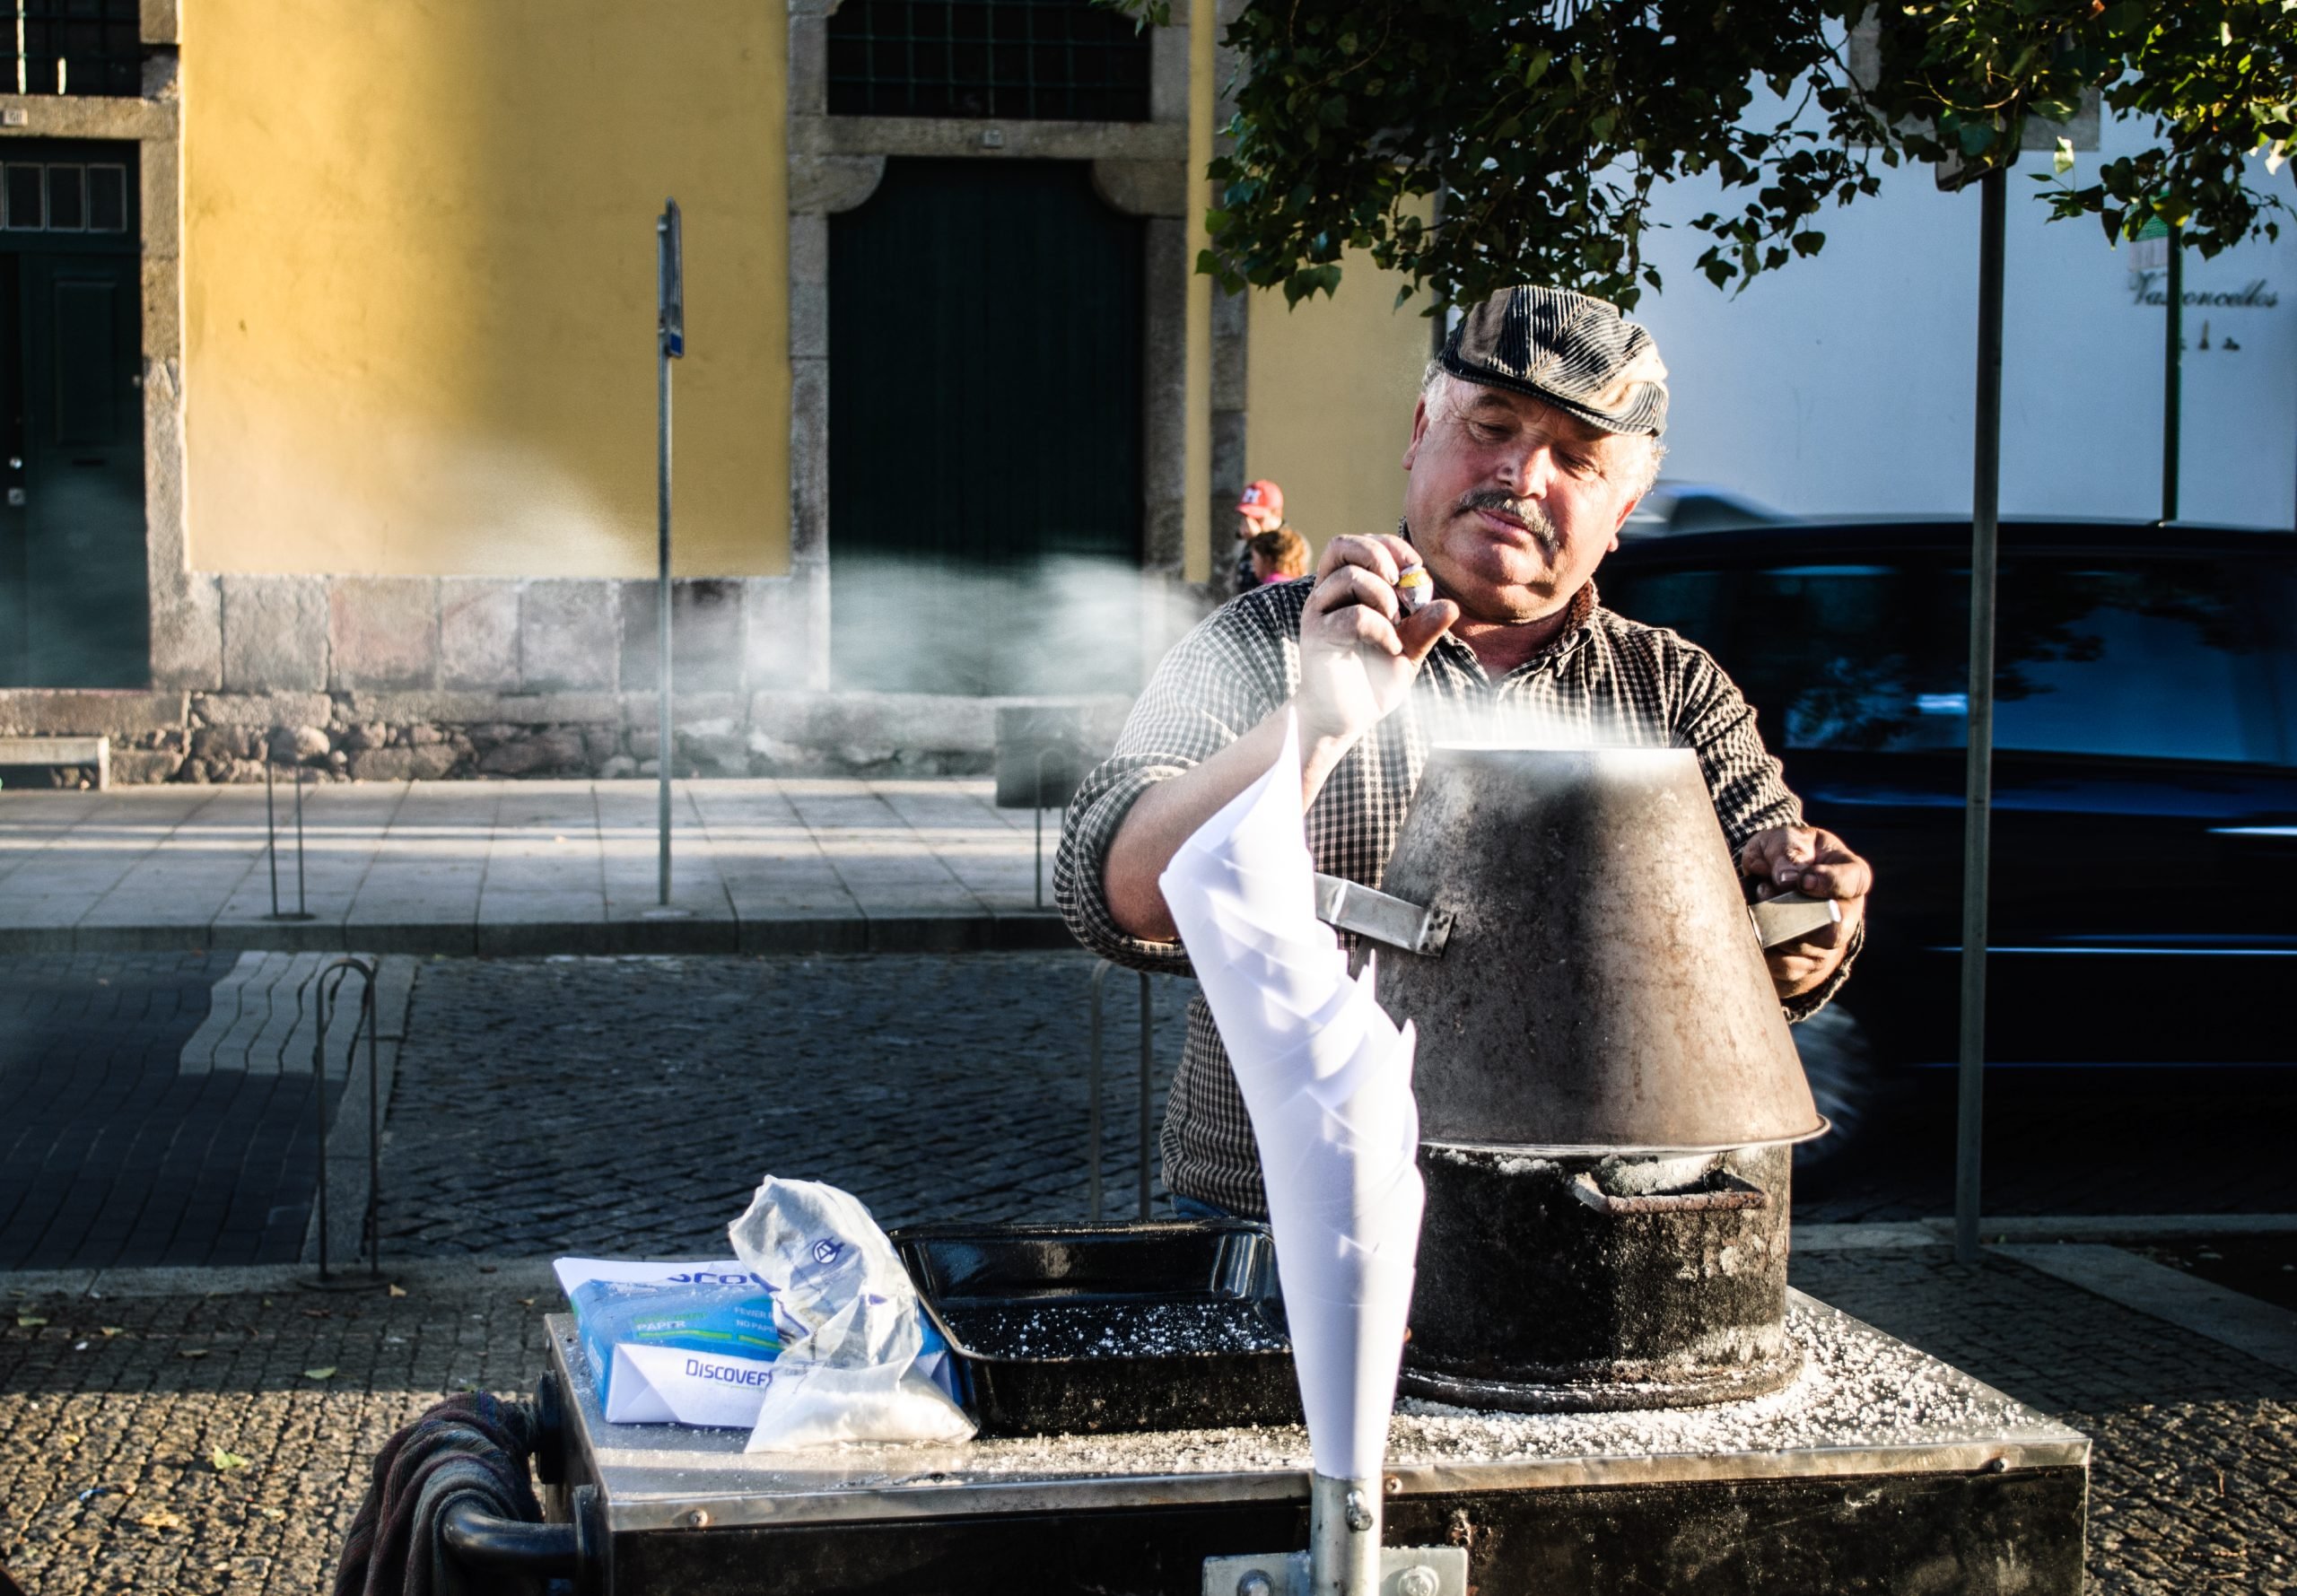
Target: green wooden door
{"points": [[985, 370], [73, 608]]}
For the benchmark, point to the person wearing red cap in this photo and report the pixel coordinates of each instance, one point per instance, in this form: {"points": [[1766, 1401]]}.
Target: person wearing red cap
{"points": [[1260, 509]]}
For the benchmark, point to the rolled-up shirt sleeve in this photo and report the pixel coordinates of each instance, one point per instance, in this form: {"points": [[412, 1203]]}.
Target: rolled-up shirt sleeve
{"points": [[1748, 785], [1213, 688]]}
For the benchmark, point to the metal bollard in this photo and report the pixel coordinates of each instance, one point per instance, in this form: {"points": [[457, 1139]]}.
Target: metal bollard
{"points": [[1038, 794], [271, 843], [327, 988], [1147, 1087]]}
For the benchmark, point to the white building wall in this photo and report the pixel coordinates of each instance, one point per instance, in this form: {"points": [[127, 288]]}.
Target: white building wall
{"points": [[1843, 384]]}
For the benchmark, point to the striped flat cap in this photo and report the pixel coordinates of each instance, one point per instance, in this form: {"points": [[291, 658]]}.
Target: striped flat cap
{"points": [[1565, 349]]}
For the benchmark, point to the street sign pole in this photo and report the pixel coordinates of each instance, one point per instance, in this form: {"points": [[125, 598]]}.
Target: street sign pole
{"points": [[2172, 375], [1978, 802], [670, 323]]}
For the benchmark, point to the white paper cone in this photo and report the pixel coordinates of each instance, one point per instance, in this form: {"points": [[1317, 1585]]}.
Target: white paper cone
{"points": [[1326, 1077], [1347, 1354], [1270, 1003]]}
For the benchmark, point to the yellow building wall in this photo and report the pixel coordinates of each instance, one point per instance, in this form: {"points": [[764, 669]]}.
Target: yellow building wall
{"points": [[419, 277], [1329, 387]]}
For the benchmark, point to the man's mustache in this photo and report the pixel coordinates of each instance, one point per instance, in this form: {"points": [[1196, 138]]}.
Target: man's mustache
{"points": [[1532, 514]]}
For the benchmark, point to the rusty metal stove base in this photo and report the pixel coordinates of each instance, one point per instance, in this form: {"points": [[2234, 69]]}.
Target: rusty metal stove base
{"points": [[1604, 1390], [1985, 1506]]}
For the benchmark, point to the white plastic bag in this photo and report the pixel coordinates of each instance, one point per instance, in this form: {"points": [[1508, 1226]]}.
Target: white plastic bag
{"points": [[853, 1372]]}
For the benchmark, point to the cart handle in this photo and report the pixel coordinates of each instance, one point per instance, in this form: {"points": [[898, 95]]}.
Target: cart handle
{"points": [[478, 1538]]}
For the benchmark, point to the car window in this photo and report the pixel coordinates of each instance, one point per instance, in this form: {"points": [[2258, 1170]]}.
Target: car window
{"points": [[1851, 656], [1691, 602], [1832, 656], [2273, 593], [2157, 662], [2165, 661]]}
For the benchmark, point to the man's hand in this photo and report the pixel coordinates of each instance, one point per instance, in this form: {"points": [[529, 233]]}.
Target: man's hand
{"points": [[1814, 862], [1357, 658]]}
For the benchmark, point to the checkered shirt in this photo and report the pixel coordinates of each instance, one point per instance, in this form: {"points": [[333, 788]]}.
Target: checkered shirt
{"points": [[1604, 679]]}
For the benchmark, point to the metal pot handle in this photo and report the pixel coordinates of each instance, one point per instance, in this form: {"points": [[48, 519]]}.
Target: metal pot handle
{"points": [[1352, 906], [1790, 915], [1732, 1194], [1397, 922]]}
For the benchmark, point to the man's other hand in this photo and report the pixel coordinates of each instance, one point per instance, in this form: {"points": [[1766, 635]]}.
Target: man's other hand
{"points": [[1358, 653], [1807, 860]]}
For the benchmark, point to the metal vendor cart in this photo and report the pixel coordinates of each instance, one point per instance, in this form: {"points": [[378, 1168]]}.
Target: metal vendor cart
{"points": [[1880, 1469]]}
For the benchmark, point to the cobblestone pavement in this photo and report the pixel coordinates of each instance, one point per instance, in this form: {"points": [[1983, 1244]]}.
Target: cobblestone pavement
{"points": [[124, 1422], [112, 1154], [113, 1412], [631, 1105], [2193, 1466]]}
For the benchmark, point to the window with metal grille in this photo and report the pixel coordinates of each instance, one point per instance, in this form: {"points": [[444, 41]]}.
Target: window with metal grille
{"points": [[74, 46], [62, 196], [1065, 60]]}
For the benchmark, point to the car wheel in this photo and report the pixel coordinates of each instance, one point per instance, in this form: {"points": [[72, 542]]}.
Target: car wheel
{"points": [[1839, 1063]]}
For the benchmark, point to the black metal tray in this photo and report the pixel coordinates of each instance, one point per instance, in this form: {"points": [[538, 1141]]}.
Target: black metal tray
{"points": [[1055, 1330]]}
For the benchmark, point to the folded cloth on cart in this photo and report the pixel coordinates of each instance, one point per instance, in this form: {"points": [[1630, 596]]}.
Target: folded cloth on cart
{"points": [[864, 1363], [691, 1342]]}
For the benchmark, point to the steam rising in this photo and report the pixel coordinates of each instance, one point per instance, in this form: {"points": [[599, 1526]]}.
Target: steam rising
{"points": [[1064, 624]]}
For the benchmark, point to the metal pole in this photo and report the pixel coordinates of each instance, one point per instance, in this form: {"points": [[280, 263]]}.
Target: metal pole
{"points": [[1344, 1536], [318, 1096], [303, 904], [327, 991], [1148, 1062], [1036, 799], [670, 344], [1093, 1134], [2173, 345], [1986, 502], [373, 1222], [662, 606], [271, 831]]}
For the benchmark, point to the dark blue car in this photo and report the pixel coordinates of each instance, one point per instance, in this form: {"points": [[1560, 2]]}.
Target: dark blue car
{"points": [[2144, 907]]}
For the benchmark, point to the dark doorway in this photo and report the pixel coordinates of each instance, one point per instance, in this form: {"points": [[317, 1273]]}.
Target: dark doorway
{"points": [[984, 470], [74, 588]]}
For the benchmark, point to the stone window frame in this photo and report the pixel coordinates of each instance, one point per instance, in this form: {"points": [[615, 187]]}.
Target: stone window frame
{"points": [[1138, 168]]}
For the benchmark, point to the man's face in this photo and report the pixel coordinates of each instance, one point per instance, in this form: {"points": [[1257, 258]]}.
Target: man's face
{"points": [[1512, 503], [1252, 523]]}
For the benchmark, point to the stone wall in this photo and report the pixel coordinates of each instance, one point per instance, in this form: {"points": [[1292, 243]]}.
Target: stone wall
{"points": [[401, 736], [397, 678]]}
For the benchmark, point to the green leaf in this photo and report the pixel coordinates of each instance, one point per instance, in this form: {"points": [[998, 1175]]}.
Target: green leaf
{"points": [[324, 1372], [2062, 160], [224, 1462]]}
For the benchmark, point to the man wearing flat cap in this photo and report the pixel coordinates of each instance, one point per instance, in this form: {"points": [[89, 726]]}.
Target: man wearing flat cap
{"points": [[1536, 431]]}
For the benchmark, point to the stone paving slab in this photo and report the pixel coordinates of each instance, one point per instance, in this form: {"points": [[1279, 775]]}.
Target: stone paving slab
{"points": [[158, 1109], [113, 1408], [812, 865]]}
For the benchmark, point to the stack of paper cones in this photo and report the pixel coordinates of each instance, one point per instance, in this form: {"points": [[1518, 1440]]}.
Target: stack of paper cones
{"points": [[1326, 1076]]}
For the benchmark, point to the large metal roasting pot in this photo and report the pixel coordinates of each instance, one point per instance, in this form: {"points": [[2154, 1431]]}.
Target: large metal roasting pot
{"points": [[1606, 1082]]}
